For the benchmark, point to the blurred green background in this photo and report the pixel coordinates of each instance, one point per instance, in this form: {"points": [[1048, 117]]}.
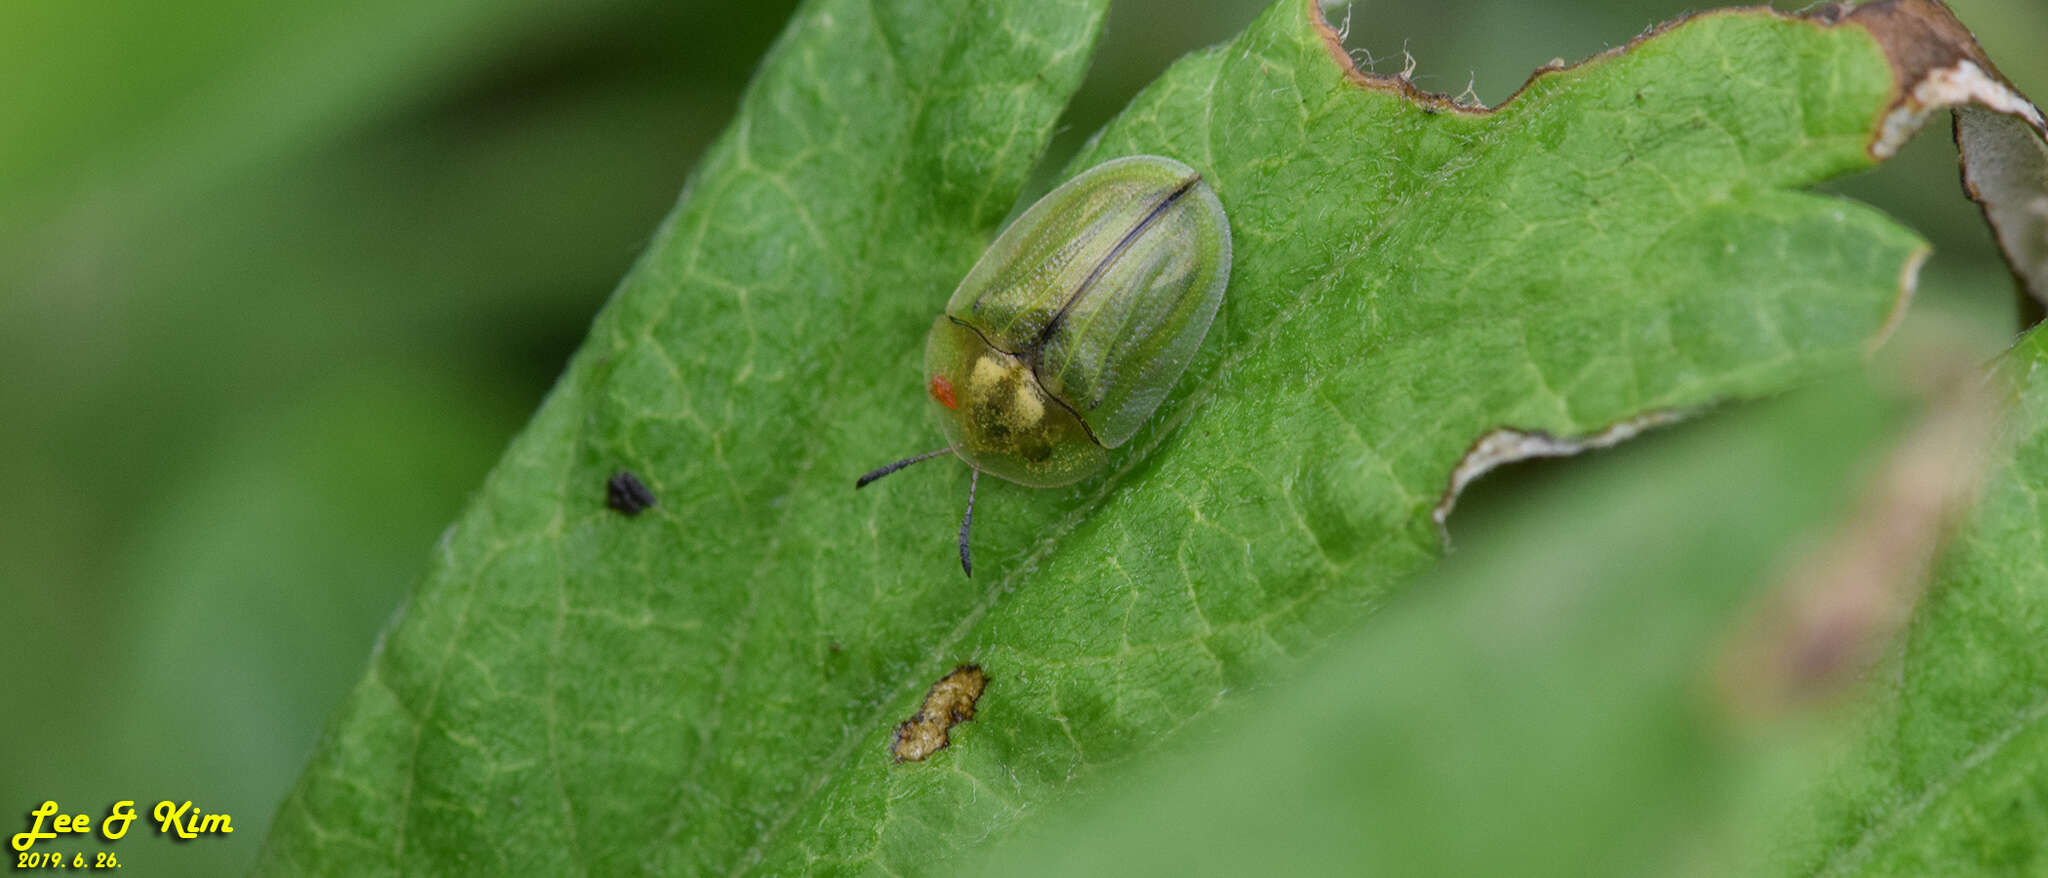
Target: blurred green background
{"points": [[280, 280]]}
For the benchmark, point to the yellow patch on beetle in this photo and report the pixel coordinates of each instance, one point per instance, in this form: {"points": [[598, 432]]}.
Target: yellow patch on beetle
{"points": [[989, 373], [1028, 409], [949, 703]]}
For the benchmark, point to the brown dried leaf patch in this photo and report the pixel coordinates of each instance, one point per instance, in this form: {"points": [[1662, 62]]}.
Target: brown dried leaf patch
{"points": [[949, 703]]}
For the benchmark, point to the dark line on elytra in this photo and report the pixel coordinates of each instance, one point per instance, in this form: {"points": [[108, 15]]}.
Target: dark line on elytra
{"points": [[1085, 428], [982, 335], [1129, 238], [1034, 379]]}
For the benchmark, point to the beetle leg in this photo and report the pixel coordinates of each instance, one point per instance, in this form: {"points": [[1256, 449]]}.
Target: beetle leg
{"points": [[967, 521]]}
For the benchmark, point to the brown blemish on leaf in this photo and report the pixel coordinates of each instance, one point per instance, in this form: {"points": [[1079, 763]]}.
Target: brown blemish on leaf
{"points": [[1919, 36], [949, 703], [2001, 136], [1505, 445], [1843, 602], [1937, 65]]}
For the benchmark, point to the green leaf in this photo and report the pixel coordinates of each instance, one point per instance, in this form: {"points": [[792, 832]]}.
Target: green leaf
{"points": [[712, 686], [1949, 774], [1542, 707]]}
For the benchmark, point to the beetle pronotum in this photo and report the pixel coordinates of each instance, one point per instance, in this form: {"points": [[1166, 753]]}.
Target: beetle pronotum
{"points": [[1067, 334]]}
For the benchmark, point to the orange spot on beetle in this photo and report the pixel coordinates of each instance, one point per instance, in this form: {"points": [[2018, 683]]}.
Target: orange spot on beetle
{"points": [[942, 390]]}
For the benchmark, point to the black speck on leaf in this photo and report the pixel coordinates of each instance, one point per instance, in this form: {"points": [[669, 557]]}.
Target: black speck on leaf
{"points": [[627, 494]]}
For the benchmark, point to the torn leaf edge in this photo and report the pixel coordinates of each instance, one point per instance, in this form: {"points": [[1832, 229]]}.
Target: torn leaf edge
{"points": [[1937, 64], [1505, 445]]}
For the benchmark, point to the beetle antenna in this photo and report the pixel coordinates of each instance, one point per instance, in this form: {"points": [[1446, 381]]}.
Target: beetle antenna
{"points": [[864, 480], [967, 521]]}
